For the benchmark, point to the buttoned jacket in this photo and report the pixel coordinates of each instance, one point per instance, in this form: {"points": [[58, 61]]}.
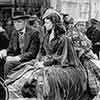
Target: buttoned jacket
{"points": [[31, 44]]}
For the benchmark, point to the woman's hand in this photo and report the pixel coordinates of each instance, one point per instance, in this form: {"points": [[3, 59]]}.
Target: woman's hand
{"points": [[39, 64]]}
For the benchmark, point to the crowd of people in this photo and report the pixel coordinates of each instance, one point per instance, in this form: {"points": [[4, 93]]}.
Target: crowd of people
{"points": [[52, 58]]}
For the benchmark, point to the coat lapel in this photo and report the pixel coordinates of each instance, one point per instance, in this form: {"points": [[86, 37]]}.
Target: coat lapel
{"points": [[27, 38]]}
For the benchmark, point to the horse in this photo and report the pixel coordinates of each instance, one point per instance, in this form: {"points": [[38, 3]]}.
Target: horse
{"points": [[57, 83]]}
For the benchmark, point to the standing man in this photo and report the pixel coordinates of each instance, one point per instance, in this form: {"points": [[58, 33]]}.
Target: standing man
{"points": [[23, 46]]}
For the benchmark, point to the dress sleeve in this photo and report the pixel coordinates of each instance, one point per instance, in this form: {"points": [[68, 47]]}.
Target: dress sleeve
{"points": [[65, 55]]}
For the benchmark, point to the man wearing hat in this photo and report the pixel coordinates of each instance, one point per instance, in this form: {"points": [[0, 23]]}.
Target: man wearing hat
{"points": [[23, 46]]}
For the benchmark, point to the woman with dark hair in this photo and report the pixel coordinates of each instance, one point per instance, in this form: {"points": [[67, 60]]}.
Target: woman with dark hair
{"points": [[56, 74]]}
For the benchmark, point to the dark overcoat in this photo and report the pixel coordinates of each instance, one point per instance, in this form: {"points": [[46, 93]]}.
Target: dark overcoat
{"points": [[31, 44]]}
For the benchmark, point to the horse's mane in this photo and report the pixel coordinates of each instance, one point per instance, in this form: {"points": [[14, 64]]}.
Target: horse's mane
{"points": [[59, 84]]}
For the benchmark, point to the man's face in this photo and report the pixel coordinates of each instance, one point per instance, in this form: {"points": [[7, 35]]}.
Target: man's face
{"points": [[19, 24]]}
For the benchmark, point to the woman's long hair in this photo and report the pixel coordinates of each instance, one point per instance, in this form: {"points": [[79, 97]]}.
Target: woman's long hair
{"points": [[57, 24]]}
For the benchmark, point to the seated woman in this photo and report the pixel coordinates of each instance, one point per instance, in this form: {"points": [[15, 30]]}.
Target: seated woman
{"points": [[56, 73], [83, 47]]}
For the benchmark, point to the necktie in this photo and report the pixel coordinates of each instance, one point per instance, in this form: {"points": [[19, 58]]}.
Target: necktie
{"points": [[21, 33], [21, 41]]}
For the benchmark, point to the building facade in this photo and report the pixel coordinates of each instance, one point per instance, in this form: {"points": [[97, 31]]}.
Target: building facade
{"points": [[79, 9]]}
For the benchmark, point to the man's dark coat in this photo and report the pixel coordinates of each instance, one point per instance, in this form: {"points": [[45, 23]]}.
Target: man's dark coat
{"points": [[31, 44]]}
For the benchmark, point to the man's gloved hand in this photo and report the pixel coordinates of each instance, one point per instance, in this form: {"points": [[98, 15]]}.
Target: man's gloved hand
{"points": [[15, 58], [3, 53]]}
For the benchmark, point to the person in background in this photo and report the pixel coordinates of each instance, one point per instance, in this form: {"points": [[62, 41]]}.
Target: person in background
{"points": [[4, 42], [93, 33], [23, 46], [89, 59], [35, 22], [65, 20], [69, 24], [9, 27], [3, 38]]}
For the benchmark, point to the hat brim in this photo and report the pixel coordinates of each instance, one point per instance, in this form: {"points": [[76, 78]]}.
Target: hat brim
{"points": [[50, 11], [21, 17]]}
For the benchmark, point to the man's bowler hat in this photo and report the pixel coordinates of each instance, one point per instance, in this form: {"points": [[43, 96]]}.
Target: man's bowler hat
{"points": [[20, 15]]}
